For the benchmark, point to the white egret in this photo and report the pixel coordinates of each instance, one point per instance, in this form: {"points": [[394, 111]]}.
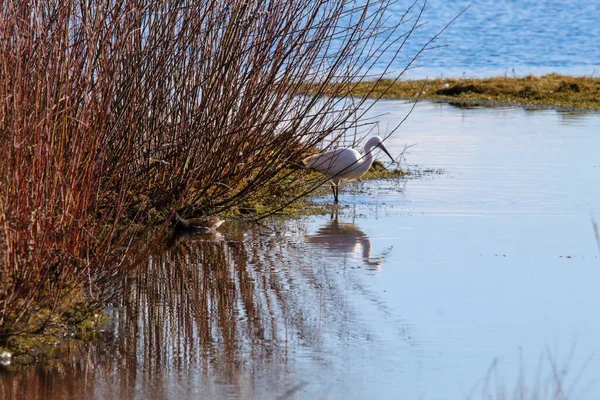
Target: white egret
{"points": [[343, 165]]}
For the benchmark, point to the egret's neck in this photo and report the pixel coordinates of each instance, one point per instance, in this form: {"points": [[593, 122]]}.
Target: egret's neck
{"points": [[367, 158]]}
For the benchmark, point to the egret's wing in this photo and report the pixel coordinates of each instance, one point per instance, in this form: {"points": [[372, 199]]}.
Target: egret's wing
{"points": [[333, 162]]}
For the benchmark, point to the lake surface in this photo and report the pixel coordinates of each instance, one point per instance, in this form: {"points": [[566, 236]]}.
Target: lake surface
{"points": [[509, 37], [478, 276]]}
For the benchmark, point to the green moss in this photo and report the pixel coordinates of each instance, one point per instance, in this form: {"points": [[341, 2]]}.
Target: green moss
{"points": [[283, 191], [78, 316], [307, 205], [378, 171]]}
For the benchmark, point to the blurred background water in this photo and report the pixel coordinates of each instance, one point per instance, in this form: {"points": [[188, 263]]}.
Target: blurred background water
{"points": [[509, 37]]}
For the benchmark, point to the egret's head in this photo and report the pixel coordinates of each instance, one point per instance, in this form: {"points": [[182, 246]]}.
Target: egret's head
{"points": [[376, 141]]}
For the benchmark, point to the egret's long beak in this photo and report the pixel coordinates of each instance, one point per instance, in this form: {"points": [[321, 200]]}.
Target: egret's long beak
{"points": [[386, 152]]}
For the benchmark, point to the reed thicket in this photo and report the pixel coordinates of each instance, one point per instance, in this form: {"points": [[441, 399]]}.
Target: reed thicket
{"points": [[114, 110]]}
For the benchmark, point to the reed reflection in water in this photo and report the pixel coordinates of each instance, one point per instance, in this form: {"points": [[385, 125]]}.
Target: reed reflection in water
{"points": [[243, 314]]}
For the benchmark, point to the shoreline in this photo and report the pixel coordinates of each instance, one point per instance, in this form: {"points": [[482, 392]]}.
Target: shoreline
{"points": [[27, 347], [552, 91]]}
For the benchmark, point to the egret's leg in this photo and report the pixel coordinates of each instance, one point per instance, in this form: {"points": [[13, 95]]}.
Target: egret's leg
{"points": [[333, 191], [336, 191]]}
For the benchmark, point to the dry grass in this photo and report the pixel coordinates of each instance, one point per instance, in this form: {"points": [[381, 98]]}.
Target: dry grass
{"points": [[596, 232], [555, 378]]}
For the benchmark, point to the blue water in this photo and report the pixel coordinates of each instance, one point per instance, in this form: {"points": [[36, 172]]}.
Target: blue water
{"points": [[504, 37], [454, 285]]}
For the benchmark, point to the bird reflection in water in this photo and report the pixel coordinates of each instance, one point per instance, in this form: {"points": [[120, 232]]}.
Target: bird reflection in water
{"points": [[344, 238]]}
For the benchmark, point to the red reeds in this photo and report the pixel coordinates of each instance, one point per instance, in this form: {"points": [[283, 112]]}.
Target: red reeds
{"points": [[114, 108]]}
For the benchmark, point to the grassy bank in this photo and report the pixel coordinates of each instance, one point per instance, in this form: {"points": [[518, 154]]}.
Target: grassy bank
{"points": [[285, 202], [551, 90]]}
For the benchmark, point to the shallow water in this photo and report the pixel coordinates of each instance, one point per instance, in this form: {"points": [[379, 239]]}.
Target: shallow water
{"points": [[439, 287]]}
